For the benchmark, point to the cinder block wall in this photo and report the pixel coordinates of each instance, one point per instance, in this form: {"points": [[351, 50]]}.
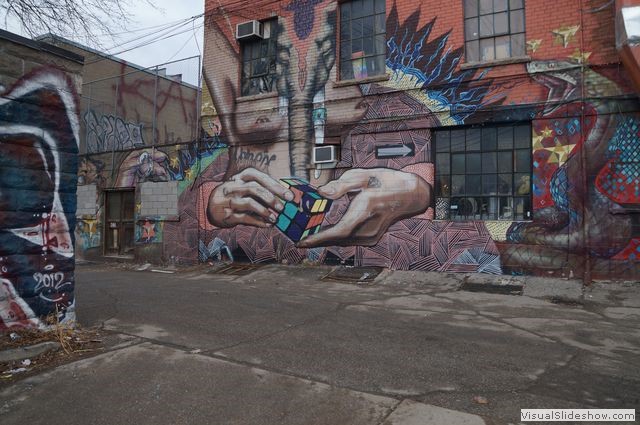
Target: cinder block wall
{"points": [[38, 177]]}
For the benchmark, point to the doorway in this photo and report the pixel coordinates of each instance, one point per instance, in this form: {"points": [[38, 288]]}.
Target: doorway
{"points": [[120, 223]]}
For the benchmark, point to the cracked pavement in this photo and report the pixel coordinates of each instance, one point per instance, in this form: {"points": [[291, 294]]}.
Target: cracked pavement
{"points": [[282, 346]]}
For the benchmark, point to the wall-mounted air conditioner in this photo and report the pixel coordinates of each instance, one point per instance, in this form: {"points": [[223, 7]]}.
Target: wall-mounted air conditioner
{"points": [[324, 154], [249, 30]]}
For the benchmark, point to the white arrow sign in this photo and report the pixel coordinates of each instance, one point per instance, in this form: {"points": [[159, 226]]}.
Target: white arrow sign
{"points": [[389, 151]]}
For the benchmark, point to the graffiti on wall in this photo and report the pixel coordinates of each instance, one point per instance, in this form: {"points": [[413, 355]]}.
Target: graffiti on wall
{"points": [[378, 211], [574, 137], [38, 169], [149, 230], [107, 132]]}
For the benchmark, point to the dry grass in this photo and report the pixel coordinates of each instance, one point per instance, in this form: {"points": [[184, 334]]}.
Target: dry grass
{"points": [[74, 342]]}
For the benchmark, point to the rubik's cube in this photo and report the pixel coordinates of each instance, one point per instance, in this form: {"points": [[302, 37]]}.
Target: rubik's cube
{"points": [[303, 216]]}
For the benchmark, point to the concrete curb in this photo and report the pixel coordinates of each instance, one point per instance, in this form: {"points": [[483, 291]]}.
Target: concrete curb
{"points": [[23, 353]]}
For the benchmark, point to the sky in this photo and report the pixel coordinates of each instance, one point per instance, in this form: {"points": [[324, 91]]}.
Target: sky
{"points": [[177, 47]]}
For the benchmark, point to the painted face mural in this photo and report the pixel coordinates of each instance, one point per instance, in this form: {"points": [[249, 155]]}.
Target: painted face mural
{"points": [[38, 171], [380, 207]]}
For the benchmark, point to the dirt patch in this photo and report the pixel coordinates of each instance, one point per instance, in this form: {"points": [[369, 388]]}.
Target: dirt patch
{"points": [[73, 344]]}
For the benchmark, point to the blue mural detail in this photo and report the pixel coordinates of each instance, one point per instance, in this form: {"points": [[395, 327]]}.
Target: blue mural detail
{"points": [[432, 64]]}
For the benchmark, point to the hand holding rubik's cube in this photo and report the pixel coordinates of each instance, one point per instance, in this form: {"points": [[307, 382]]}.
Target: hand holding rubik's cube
{"points": [[303, 216]]}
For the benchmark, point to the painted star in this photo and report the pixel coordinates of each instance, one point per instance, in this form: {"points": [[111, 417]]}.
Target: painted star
{"points": [[534, 45], [537, 142], [580, 57], [138, 207], [564, 35], [175, 162], [547, 132], [559, 154]]}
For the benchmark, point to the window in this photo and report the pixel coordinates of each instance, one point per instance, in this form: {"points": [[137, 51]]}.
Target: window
{"points": [[483, 173], [363, 45], [494, 29], [259, 62]]}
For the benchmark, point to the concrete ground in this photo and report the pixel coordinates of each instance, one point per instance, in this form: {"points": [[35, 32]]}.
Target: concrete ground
{"points": [[280, 346]]}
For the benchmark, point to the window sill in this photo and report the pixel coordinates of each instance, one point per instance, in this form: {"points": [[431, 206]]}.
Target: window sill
{"points": [[374, 79], [507, 61], [256, 97]]}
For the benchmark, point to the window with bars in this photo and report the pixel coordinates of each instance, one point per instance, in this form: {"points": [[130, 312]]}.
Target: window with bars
{"points": [[494, 29], [363, 45], [259, 62], [483, 173]]}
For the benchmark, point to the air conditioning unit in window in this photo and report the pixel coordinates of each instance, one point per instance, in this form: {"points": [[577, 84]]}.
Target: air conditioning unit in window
{"points": [[249, 30], [324, 154]]}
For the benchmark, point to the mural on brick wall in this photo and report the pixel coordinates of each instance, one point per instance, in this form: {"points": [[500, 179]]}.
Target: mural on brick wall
{"points": [[370, 210], [38, 170], [572, 137]]}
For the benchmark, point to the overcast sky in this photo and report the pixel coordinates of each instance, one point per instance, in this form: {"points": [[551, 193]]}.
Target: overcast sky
{"points": [[176, 47]]}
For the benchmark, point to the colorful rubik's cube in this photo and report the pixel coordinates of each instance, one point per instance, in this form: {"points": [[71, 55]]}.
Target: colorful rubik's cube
{"points": [[304, 215]]}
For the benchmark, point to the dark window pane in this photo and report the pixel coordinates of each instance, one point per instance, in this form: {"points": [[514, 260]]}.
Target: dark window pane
{"points": [[367, 46], [443, 186], [356, 46], [345, 30], [246, 52], [489, 162], [489, 184], [442, 163], [356, 28], [517, 45], [506, 209], [473, 51], [474, 184], [442, 141], [486, 6], [356, 9], [489, 135], [505, 137], [474, 165], [522, 207], [471, 29], [522, 184], [486, 26], [517, 21], [367, 26], [457, 185], [470, 8], [523, 161], [375, 65], [457, 163], [501, 23], [516, 4], [345, 50], [505, 162], [491, 211], [457, 141], [380, 6], [346, 70], [473, 139], [487, 52], [367, 7], [380, 24], [522, 136], [345, 12], [503, 49], [500, 5], [381, 45], [504, 184]]}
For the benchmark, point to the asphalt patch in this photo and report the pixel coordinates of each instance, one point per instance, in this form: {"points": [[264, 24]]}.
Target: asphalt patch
{"points": [[358, 275]]}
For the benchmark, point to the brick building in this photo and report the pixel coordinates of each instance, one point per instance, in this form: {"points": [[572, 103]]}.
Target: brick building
{"points": [[492, 136]]}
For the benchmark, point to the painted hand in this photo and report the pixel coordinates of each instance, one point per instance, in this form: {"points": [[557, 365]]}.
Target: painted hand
{"points": [[250, 197], [142, 165], [382, 197]]}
